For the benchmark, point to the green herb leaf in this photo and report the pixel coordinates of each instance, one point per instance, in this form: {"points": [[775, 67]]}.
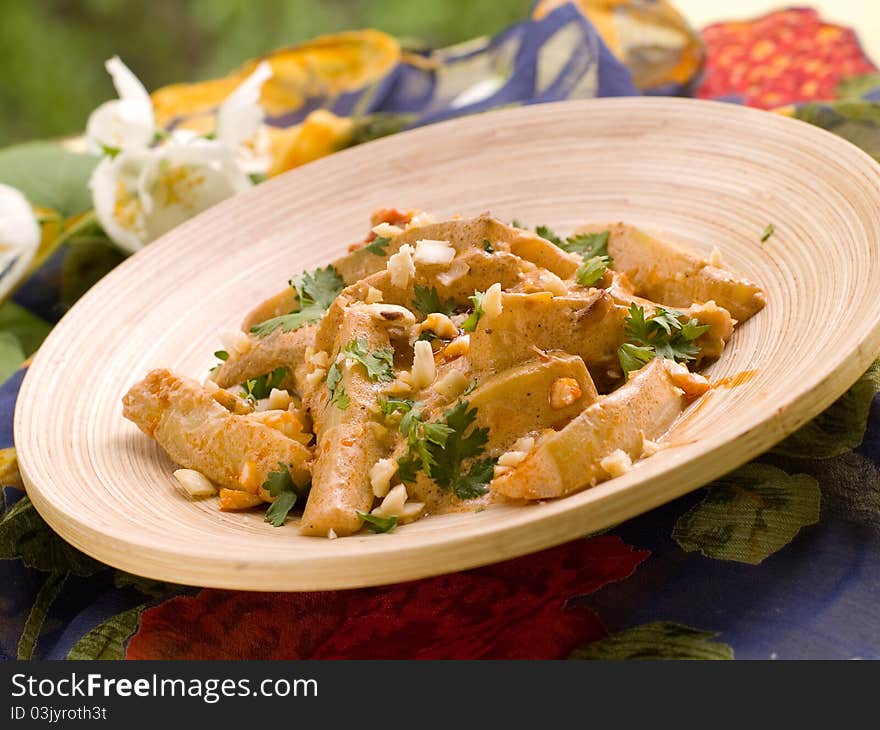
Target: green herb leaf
{"points": [[280, 485], [378, 246], [379, 364], [316, 290], [428, 301], [662, 334], [549, 235], [476, 482], [338, 396], [592, 271], [259, 388], [768, 231], [222, 355], [461, 444], [389, 406], [377, 524], [487, 246], [470, 324], [587, 244]]}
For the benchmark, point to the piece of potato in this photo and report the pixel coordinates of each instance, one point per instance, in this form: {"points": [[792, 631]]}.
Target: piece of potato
{"points": [[277, 349], [199, 433], [589, 326], [347, 445], [569, 460], [517, 401], [674, 276]]}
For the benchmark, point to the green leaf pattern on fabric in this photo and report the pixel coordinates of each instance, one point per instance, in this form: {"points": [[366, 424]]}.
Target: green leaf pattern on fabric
{"points": [[839, 428], [24, 534], [107, 640], [658, 640], [749, 514], [46, 596]]}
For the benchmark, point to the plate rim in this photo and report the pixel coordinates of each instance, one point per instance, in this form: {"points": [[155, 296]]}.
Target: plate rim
{"points": [[653, 490]]}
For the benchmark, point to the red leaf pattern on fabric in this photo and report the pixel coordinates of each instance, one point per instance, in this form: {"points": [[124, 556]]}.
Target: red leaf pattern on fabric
{"points": [[512, 610]]}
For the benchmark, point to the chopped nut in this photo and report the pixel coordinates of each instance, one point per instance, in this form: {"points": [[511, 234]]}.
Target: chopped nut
{"points": [[715, 258], [452, 385], [512, 458], [524, 443], [401, 266], [235, 342], [492, 301], [250, 477], [287, 422], [440, 325], [374, 296], [424, 371], [455, 271], [411, 511], [279, 399], [649, 448], [195, 483], [316, 376], [387, 230], [459, 347], [232, 499], [392, 505], [420, 219], [331, 534], [380, 476], [429, 251], [390, 314], [500, 470], [564, 392], [319, 359], [617, 463]]}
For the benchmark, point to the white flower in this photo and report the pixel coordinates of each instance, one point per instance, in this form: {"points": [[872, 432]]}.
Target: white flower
{"points": [[19, 237], [126, 123], [141, 194], [240, 122]]}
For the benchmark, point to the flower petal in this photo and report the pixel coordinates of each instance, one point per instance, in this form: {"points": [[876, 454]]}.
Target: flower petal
{"points": [[19, 237], [124, 123]]}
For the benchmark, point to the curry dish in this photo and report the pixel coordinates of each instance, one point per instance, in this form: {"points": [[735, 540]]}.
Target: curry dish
{"points": [[446, 366]]}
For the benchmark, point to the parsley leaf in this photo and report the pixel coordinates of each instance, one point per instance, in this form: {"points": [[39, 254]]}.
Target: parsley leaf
{"points": [[549, 235], [377, 524], [316, 290], [662, 334], [487, 246], [587, 244], [768, 231], [458, 447], [592, 271], [222, 355], [389, 406], [259, 388], [428, 300], [379, 364], [280, 485], [338, 396], [473, 319], [378, 246]]}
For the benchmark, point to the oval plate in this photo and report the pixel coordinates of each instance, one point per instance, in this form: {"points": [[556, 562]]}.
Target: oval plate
{"points": [[707, 174]]}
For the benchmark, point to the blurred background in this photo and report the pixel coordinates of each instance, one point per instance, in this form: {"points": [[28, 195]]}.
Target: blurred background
{"points": [[52, 52]]}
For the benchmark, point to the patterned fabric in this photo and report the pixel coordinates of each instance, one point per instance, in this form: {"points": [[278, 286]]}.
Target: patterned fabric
{"points": [[779, 559]]}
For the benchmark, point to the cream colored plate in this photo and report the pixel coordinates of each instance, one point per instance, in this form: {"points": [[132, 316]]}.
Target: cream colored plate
{"points": [[708, 174]]}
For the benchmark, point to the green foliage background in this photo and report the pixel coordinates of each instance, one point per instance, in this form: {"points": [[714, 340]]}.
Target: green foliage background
{"points": [[52, 51]]}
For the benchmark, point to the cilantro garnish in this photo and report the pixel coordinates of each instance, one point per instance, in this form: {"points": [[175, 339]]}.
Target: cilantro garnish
{"points": [[222, 355], [663, 334], [587, 244], [592, 271], [377, 524], [545, 233], [428, 301], [440, 449], [473, 319], [259, 388], [378, 246], [768, 231], [280, 485], [338, 396], [316, 290], [487, 246], [379, 365]]}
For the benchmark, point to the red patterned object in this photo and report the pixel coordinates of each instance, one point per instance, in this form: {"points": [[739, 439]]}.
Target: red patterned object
{"points": [[785, 57], [512, 610]]}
